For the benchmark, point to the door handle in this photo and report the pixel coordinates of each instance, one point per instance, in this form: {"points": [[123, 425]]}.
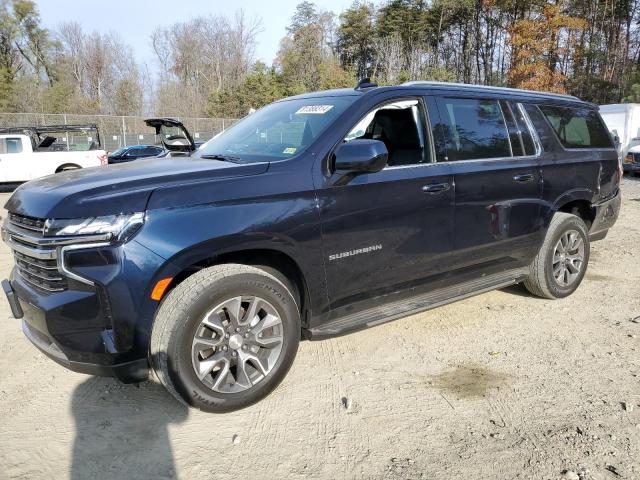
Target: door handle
{"points": [[523, 177], [436, 187]]}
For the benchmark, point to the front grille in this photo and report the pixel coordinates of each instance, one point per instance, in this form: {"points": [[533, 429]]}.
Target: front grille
{"points": [[35, 259], [41, 273], [36, 254], [28, 223]]}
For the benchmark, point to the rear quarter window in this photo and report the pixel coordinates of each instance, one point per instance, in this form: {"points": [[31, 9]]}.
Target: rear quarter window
{"points": [[577, 127]]}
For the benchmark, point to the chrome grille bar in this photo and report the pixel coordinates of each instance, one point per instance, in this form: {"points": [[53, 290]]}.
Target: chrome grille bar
{"points": [[38, 257]]}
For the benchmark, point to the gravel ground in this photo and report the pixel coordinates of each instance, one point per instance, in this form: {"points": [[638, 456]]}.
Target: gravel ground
{"points": [[500, 386]]}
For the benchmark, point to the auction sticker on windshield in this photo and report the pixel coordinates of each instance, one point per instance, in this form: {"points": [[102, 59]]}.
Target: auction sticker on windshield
{"points": [[314, 109]]}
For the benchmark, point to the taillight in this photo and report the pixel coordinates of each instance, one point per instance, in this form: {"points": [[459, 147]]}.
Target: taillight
{"points": [[103, 159]]}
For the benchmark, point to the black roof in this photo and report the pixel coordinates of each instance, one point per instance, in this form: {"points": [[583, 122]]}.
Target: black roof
{"points": [[449, 87]]}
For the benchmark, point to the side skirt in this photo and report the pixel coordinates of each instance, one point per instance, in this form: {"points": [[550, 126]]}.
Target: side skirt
{"points": [[420, 303]]}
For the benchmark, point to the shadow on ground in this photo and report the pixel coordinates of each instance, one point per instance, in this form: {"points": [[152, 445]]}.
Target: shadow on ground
{"points": [[121, 430]]}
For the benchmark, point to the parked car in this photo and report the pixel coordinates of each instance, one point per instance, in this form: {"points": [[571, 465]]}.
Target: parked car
{"points": [[316, 216], [623, 121], [135, 152], [31, 152]]}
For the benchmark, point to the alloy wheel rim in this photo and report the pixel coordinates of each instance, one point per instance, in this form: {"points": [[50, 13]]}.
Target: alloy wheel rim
{"points": [[568, 258], [237, 344]]}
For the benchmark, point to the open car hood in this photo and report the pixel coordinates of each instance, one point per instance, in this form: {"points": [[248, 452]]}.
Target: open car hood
{"points": [[173, 134]]}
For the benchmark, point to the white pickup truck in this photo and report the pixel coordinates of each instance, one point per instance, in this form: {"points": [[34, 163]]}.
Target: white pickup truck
{"points": [[31, 152]]}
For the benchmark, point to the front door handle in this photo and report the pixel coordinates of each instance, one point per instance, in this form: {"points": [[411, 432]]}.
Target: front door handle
{"points": [[436, 187], [523, 177]]}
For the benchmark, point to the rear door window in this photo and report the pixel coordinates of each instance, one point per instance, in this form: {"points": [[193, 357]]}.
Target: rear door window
{"points": [[577, 127], [473, 128]]}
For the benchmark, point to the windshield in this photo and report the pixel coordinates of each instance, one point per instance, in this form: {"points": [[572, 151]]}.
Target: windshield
{"points": [[119, 152], [278, 131]]}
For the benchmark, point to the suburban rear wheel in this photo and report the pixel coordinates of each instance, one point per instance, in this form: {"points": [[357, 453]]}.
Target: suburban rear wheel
{"points": [[561, 263], [225, 337]]}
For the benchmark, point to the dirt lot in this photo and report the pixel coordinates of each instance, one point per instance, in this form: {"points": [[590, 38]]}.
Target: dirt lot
{"points": [[503, 385]]}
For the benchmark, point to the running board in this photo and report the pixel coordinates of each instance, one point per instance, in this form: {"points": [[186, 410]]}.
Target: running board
{"points": [[420, 303]]}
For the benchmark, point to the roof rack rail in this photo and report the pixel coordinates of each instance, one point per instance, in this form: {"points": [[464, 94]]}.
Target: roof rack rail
{"points": [[365, 83], [37, 129], [488, 87]]}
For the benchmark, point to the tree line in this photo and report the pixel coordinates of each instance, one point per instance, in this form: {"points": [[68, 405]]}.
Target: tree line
{"points": [[206, 66]]}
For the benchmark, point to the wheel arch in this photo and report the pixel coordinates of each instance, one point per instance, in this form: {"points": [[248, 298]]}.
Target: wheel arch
{"points": [[272, 258], [578, 204]]}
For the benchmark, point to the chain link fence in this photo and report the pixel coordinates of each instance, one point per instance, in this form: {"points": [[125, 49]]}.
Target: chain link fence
{"points": [[116, 132]]}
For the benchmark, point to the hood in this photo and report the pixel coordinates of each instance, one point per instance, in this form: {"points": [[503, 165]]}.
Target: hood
{"points": [[634, 149], [112, 189]]}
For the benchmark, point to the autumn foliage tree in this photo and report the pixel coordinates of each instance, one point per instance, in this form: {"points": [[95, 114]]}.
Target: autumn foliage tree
{"points": [[539, 45], [207, 65]]}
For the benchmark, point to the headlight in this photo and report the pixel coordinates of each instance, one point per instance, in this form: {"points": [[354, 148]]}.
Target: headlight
{"points": [[119, 227]]}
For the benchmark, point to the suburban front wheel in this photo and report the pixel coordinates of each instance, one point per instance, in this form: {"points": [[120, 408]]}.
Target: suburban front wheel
{"points": [[562, 261], [225, 337]]}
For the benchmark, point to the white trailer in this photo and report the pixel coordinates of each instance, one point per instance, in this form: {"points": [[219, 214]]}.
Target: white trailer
{"points": [[31, 152], [623, 121]]}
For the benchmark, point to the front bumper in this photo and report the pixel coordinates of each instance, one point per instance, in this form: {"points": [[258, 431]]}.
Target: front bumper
{"points": [[92, 313], [95, 353]]}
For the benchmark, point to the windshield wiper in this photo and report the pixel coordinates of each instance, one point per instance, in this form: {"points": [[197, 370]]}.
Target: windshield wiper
{"points": [[220, 156]]}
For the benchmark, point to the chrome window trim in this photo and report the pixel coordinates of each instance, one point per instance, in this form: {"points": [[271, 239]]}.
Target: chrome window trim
{"points": [[532, 131], [506, 127]]}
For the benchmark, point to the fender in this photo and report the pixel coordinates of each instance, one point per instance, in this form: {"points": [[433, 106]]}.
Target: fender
{"points": [[204, 232], [572, 195]]}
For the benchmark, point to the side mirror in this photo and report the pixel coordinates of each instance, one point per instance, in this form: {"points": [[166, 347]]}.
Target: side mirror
{"points": [[361, 156]]}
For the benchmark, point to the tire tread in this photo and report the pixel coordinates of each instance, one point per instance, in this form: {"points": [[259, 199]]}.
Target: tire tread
{"points": [[536, 282], [175, 305]]}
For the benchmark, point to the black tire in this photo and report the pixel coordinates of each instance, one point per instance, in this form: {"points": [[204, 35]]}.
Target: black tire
{"points": [[541, 281], [179, 317]]}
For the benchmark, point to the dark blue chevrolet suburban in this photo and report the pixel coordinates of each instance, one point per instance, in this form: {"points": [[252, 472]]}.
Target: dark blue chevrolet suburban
{"points": [[315, 216]]}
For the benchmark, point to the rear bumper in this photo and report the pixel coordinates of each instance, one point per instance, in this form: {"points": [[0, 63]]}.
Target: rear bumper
{"points": [[607, 213]]}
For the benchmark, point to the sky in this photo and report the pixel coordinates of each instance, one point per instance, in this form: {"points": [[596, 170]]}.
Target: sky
{"points": [[134, 20]]}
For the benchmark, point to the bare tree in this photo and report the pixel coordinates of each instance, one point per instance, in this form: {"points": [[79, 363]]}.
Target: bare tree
{"points": [[201, 56]]}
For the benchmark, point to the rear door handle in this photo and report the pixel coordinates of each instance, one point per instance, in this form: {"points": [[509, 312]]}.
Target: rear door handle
{"points": [[436, 187], [523, 178]]}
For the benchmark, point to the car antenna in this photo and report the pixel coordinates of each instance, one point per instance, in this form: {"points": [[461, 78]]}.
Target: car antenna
{"points": [[365, 83]]}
